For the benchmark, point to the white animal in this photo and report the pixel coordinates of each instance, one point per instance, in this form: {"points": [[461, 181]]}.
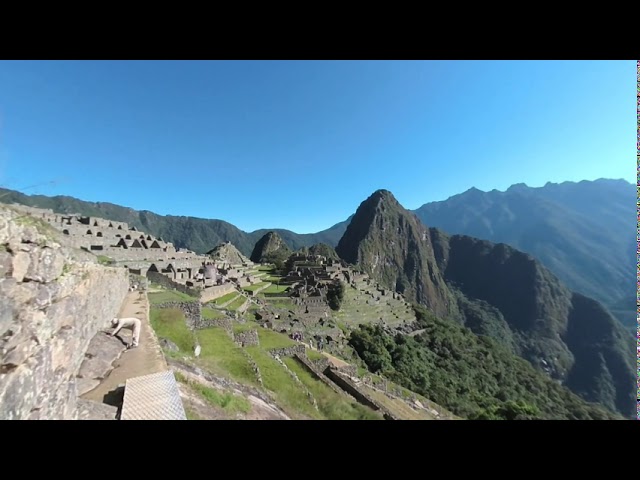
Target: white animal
{"points": [[197, 351], [132, 324]]}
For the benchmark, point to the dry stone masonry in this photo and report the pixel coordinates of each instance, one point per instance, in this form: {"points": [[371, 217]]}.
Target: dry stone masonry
{"points": [[55, 298]]}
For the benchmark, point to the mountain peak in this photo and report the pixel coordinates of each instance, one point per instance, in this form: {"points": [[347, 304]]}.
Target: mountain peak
{"points": [[382, 195], [518, 187], [270, 246]]}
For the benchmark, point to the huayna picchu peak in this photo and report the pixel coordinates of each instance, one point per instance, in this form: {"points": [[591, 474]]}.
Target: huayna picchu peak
{"points": [[497, 291]]}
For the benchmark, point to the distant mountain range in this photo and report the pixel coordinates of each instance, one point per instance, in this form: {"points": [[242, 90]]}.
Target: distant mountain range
{"points": [[583, 232], [498, 292]]}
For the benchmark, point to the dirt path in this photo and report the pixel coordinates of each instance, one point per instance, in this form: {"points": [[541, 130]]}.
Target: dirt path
{"points": [[147, 358]]}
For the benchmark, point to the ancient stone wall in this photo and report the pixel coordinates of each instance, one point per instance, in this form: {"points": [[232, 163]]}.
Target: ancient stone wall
{"points": [[247, 338], [53, 301], [211, 293], [318, 372], [225, 323], [350, 370], [169, 284], [321, 364], [347, 385], [288, 351]]}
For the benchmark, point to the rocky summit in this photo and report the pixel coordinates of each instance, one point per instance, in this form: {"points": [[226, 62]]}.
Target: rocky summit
{"points": [[496, 291], [269, 247]]}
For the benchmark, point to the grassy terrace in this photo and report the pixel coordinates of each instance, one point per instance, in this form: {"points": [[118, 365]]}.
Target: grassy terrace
{"points": [[212, 314], [243, 327], [290, 395], [280, 302], [156, 298], [270, 339], [313, 355], [219, 354], [273, 288], [265, 268], [224, 298], [237, 303], [272, 278], [255, 286], [170, 324], [331, 405]]}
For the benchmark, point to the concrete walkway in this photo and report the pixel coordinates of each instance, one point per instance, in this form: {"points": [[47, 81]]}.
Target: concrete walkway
{"points": [[146, 359]]}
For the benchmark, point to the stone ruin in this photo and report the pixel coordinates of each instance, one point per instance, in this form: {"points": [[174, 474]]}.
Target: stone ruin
{"points": [[125, 245]]}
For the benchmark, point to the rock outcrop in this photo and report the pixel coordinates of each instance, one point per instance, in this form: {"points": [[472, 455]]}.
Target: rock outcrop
{"points": [[54, 300]]}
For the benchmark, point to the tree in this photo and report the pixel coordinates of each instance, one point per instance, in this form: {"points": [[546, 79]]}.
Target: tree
{"points": [[335, 295]]}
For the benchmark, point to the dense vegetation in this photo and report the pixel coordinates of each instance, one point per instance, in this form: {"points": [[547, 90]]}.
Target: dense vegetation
{"points": [[335, 295], [471, 375]]}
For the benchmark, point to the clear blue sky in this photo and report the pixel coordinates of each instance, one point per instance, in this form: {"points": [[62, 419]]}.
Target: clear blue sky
{"points": [[299, 144]]}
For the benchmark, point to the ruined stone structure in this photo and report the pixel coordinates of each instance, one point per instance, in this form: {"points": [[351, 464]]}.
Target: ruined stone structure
{"points": [[141, 253], [53, 300]]}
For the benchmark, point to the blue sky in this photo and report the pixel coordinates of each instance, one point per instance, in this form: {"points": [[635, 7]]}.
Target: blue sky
{"points": [[299, 144]]}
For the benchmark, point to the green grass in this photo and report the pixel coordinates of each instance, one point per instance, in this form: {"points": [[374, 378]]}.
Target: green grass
{"points": [[236, 303], [211, 314], [273, 288], [272, 278], [222, 355], [104, 260], [227, 401], [280, 302], [170, 323], [290, 395], [313, 355], [156, 298], [225, 298], [270, 339], [243, 327], [265, 268], [332, 405], [255, 286]]}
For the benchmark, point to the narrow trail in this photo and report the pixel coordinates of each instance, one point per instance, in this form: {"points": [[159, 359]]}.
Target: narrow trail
{"points": [[147, 358]]}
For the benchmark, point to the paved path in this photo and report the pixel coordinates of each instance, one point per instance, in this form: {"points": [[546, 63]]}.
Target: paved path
{"points": [[144, 360]]}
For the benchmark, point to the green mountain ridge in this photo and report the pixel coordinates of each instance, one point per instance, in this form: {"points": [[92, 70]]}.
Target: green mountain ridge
{"points": [[498, 291]]}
